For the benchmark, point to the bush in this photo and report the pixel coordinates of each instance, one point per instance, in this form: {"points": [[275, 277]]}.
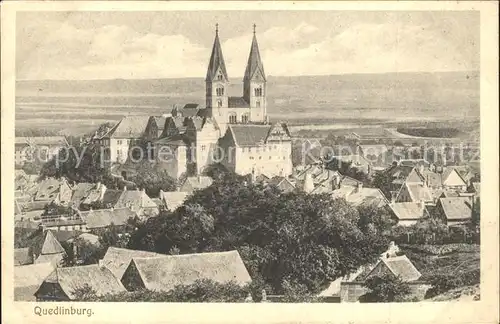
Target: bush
{"points": [[445, 282], [203, 290], [386, 288]]}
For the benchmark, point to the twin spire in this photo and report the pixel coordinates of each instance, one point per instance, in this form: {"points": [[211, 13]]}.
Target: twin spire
{"points": [[217, 63]]}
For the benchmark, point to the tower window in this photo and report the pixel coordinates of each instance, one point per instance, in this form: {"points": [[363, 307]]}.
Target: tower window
{"points": [[219, 91], [257, 104], [219, 103], [219, 77], [232, 118], [258, 92], [244, 118]]}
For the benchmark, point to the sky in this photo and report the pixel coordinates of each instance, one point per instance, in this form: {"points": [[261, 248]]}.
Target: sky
{"points": [[169, 44]]}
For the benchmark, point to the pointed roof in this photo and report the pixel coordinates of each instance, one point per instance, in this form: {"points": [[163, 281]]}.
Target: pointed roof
{"points": [[216, 60], [254, 61], [51, 245]]}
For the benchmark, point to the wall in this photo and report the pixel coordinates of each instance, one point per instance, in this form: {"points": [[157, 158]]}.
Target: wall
{"points": [[350, 292], [173, 161], [269, 159]]}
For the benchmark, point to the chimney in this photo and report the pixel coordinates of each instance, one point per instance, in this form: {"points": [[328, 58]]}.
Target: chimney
{"points": [[90, 209], [335, 182], [101, 264], [394, 195], [421, 169], [359, 186], [161, 193], [124, 188], [264, 296], [98, 185]]}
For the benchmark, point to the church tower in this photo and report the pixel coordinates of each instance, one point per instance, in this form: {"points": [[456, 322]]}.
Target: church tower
{"points": [[254, 83], [217, 82]]}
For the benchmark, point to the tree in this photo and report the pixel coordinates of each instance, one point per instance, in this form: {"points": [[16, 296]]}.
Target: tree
{"points": [[153, 180], [307, 240], [385, 288], [383, 181]]}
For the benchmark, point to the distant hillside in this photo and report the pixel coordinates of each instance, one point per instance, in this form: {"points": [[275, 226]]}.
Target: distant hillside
{"points": [[330, 99]]}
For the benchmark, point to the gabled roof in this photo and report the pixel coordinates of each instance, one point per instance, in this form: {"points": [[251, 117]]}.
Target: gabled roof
{"points": [[174, 140], [105, 217], [237, 102], [418, 192], [254, 63], [117, 259], [200, 182], [173, 199], [367, 196], [249, 135], [456, 208], [408, 210], [47, 189], [134, 199], [111, 197], [23, 256], [159, 121], [401, 267], [216, 61], [166, 272], [51, 245], [99, 278], [129, 127], [28, 278], [80, 192]]}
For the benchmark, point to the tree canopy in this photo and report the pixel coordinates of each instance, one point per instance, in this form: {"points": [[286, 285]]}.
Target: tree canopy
{"points": [[303, 239]]}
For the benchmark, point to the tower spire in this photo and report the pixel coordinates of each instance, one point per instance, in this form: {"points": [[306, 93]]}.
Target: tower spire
{"points": [[254, 61], [216, 59]]}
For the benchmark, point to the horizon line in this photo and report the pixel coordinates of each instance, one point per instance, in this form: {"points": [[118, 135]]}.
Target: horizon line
{"points": [[269, 76]]}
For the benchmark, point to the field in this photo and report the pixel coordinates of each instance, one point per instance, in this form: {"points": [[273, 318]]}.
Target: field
{"points": [[307, 102]]}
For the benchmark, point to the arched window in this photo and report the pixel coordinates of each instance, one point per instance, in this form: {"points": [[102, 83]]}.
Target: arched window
{"points": [[257, 104], [219, 91], [258, 92], [232, 118], [244, 118], [219, 103], [219, 77]]}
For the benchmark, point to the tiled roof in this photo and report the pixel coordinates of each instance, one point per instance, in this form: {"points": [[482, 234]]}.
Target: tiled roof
{"points": [[237, 102], [401, 266], [23, 256], [80, 192], [34, 205], [117, 259], [196, 183], [42, 140], [99, 278], [173, 199], [459, 208], [408, 210], [216, 61], [249, 135], [175, 140], [51, 245], [28, 278], [130, 127], [55, 259], [134, 199], [105, 217], [367, 196], [47, 189], [419, 192], [160, 121], [111, 197], [166, 272]]}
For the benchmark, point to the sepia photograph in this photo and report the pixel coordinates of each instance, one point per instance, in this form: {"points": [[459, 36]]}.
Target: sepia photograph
{"points": [[246, 156]]}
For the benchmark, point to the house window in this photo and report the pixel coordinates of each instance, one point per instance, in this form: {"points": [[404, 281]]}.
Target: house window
{"points": [[260, 157], [244, 118], [219, 91], [251, 158], [232, 118]]}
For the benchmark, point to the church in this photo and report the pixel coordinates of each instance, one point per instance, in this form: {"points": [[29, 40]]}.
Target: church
{"points": [[232, 130]]}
